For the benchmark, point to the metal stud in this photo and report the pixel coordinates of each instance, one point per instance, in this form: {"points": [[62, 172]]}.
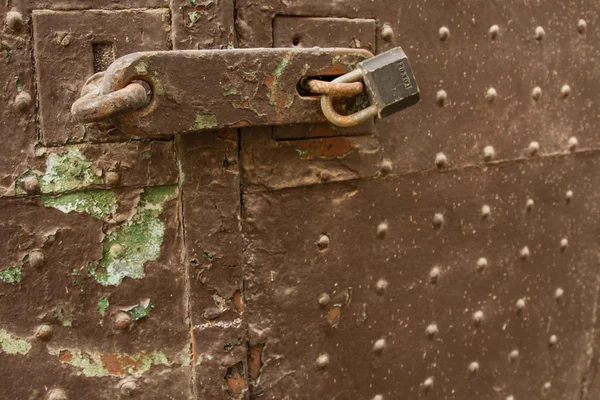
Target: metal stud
{"points": [[553, 340], [14, 20], [23, 101], [379, 346], [494, 31], [324, 175], [323, 243], [513, 355], [559, 293], [44, 332], [564, 243], [524, 254], [431, 330], [56, 394], [387, 33], [444, 33], [116, 251], [441, 161], [486, 211], [386, 167], [428, 383], [378, 397], [565, 91], [482, 264], [510, 397], [474, 367], [573, 143], [477, 317], [569, 196], [539, 33], [491, 94], [123, 320], [546, 386], [536, 93], [488, 153], [36, 259], [381, 286], [441, 97], [520, 304], [438, 220], [324, 299], [533, 148], [529, 205], [434, 274], [382, 230], [581, 25], [128, 386], [31, 184], [111, 178], [323, 361]]}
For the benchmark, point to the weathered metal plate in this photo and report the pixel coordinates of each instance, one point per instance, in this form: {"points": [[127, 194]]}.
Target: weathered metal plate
{"points": [[65, 58], [255, 87], [403, 266], [202, 24]]}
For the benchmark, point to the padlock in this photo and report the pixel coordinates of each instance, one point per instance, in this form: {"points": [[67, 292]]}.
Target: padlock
{"points": [[390, 83]]}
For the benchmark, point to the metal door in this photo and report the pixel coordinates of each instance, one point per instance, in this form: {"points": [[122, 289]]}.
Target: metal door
{"points": [[450, 254]]}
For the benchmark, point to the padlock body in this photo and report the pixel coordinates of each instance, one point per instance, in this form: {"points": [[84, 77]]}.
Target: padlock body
{"points": [[390, 82]]}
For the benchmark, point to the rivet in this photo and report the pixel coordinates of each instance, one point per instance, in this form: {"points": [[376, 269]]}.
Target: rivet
{"points": [[431, 330], [441, 97], [434, 274], [123, 320], [379, 346], [581, 25], [440, 160], [387, 33], [44, 332], [488, 153], [23, 101], [14, 20], [491, 94], [324, 299], [558, 293], [474, 367], [573, 142], [553, 340], [524, 254], [444, 33], [381, 286], [382, 230], [513, 355], [565, 90], [116, 251], [323, 242], [378, 397], [520, 305], [569, 196], [546, 386], [539, 33], [438, 220], [536, 93], [324, 175], [323, 361], [533, 148], [428, 383], [478, 317], [494, 30], [510, 397], [564, 243], [386, 167], [127, 386], [529, 205], [486, 211], [56, 394], [111, 178], [30, 184], [482, 264], [36, 259]]}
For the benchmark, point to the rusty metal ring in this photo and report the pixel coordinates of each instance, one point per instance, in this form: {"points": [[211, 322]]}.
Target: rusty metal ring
{"points": [[335, 89], [94, 107], [346, 120]]}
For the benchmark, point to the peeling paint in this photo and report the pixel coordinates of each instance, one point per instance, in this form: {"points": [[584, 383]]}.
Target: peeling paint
{"points": [[68, 171], [11, 344], [141, 238], [103, 305], [11, 275], [278, 98], [204, 121], [112, 364], [141, 310], [98, 203]]}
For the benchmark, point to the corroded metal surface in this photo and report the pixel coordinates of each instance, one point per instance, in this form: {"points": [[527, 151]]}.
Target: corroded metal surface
{"points": [[451, 255]]}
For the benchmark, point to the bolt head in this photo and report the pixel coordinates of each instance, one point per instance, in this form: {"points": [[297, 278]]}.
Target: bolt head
{"points": [[441, 97], [486, 211], [520, 304], [581, 25], [387, 33], [386, 167], [23, 101], [444, 33], [36, 259], [494, 31], [491, 94], [323, 243], [123, 320], [14, 20], [573, 142], [441, 161], [428, 383], [323, 361], [128, 386], [533, 148], [379, 346], [524, 254], [565, 91], [553, 340], [56, 394], [324, 175], [434, 274], [30, 184], [431, 330], [482, 264], [116, 251], [488, 153], [539, 33], [474, 367], [438, 220], [536, 93], [513, 355], [324, 299], [44, 332], [478, 317], [381, 286], [111, 178], [529, 205], [382, 230]]}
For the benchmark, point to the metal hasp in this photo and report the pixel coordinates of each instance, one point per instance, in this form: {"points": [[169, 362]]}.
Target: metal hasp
{"points": [[391, 86], [172, 92], [199, 90]]}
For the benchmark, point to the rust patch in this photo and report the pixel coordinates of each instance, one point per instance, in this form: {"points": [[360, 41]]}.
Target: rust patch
{"points": [[255, 362], [327, 148], [334, 315], [238, 301], [236, 381], [117, 364], [65, 356]]}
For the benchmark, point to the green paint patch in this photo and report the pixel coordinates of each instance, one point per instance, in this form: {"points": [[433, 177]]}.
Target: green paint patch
{"points": [[193, 17], [103, 305], [204, 121], [11, 275], [141, 238], [7, 51], [19, 84], [68, 171], [10, 344], [98, 203], [230, 91], [146, 154], [93, 364], [142, 67], [275, 86], [141, 310]]}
